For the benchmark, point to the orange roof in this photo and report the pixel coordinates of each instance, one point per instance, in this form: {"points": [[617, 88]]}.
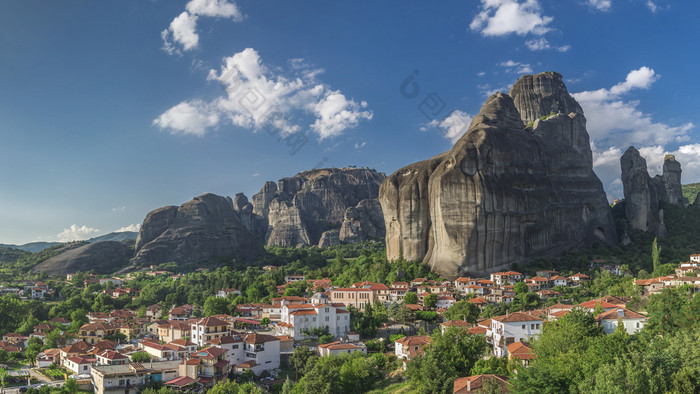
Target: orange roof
{"points": [[517, 317], [478, 300], [465, 279], [476, 330], [455, 323], [260, 338], [415, 340], [592, 304], [476, 382], [304, 312], [521, 350], [614, 314]]}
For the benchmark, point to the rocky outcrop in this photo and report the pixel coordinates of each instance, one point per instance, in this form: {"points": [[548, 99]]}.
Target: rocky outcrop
{"points": [[300, 209], [103, 257], [362, 222], [204, 229], [518, 185], [644, 194], [329, 238]]}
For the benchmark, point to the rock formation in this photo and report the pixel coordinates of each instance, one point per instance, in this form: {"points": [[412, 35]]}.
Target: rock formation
{"points": [[506, 192], [644, 194], [201, 230], [299, 210], [104, 257]]}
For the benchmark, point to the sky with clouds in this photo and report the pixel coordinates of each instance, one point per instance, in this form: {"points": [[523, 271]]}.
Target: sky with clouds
{"points": [[109, 110]]}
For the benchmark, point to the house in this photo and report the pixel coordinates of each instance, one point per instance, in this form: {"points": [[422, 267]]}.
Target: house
{"points": [[579, 278], [592, 304], [94, 332], [357, 297], [474, 384], [262, 353], [79, 365], [410, 347], [445, 301], [131, 378], [183, 312], [695, 258], [558, 280], [48, 357], [233, 344], [454, 323], [514, 327], [650, 286], [340, 347], [223, 293], [209, 365], [110, 357], [114, 281], [632, 321], [208, 328], [521, 351], [77, 349], [294, 278], [548, 293], [172, 330], [504, 278], [99, 317], [479, 301], [547, 273], [182, 383], [298, 320], [153, 312], [461, 284]]}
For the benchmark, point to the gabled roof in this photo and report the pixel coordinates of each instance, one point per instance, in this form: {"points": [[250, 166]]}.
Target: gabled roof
{"points": [[415, 340], [79, 360], [521, 350], [212, 321], [456, 323], [476, 382], [259, 338], [516, 317], [619, 313]]}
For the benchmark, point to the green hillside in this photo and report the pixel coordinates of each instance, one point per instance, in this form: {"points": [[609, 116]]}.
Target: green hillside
{"points": [[690, 191]]}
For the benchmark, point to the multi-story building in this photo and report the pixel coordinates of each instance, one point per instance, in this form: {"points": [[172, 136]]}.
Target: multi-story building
{"points": [[632, 321], [511, 328], [262, 352], [357, 297], [299, 320], [208, 328], [110, 357], [341, 347], [173, 330], [410, 347], [208, 365], [92, 333]]}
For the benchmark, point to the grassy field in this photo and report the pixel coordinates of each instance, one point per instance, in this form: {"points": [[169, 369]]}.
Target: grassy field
{"points": [[690, 191]]}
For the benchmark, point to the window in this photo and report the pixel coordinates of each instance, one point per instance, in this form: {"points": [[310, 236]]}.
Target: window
{"points": [[328, 318], [523, 326], [537, 326], [532, 326]]}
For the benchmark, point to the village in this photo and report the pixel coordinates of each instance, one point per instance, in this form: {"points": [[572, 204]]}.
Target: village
{"points": [[125, 350]]}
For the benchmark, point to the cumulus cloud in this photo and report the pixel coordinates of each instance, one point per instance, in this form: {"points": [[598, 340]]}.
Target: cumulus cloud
{"points": [[652, 7], [504, 17], [131, 227], [541, 44], [516, 67], [182, 31], [256, 97], [76, 233], [454, 125], [600, 5]]}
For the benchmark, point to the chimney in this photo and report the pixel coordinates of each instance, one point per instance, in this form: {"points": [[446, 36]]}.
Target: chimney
{"points": [[469, 385]]}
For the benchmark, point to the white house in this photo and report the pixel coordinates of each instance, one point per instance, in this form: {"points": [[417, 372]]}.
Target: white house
{"points": [[340, 347], [235, 347], [297, 319], [110, 357], [632, 321], [223, 293], [514, 327], [262, 352], [79, 365], [407, 348], [695, 258], [445, 301], [208, 328]]}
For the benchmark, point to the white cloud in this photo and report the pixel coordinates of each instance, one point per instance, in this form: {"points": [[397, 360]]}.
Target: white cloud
{"points": [[601, 5], [504, 17], [189, 117], [256, 98], [256, 174], [454, 125], [215, 8], [516, 67], [541, 44], [76, 233], [183, 29], [361, 145], [487, 90], [652, 7], [480, 74], [617, 122], [131, 227], [119, 209]]}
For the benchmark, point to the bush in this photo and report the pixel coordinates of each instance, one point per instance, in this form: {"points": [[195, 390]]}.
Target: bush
{"points": [[325, 339]]}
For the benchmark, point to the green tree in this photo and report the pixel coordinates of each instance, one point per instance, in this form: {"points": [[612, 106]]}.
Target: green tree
{"points": [[141, 357], [410, 298], [70, 387], [655, 252], [463, 310], [300, 358], [3, 376], [265, 321], [430, 300], [215, 306], [287, 386], [447, 357], [521, 288]]}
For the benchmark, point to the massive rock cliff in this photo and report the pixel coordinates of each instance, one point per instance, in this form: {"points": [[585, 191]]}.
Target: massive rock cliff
{"points": [[201, 230], [506, 192], [644, 194], [299, 210]]}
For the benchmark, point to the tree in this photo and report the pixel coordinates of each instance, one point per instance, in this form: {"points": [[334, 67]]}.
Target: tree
{"points": [[4, 356], [325, 339], [300, 359], [447, 357], [399, 313], [463, 310], [51, 339], [410, 298], [265, 321], [78, 319], [430, 300], [655, 252], [215, 306], [520, 287], [141, 357], [33, 349], [70, 387], [3, 375], [287, 386], [27, 326]]}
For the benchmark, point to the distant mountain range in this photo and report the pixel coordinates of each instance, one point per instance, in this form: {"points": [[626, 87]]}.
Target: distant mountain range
{"points": [[39, 246]]}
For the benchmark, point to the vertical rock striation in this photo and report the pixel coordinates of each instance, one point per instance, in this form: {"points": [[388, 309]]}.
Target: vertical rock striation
{"points": [[644, 194], [506, 192]]}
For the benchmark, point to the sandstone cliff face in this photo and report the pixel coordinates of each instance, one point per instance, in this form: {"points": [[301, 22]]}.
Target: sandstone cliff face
{"points": [[505, 193], [299, 210], [201, 230], [104, 257], [644, 194]]}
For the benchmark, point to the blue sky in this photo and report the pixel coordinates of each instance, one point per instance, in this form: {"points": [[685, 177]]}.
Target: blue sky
{"points": [[109, 110]]}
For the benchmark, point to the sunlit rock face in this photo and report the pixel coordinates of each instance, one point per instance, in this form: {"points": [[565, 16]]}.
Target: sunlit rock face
{"points": [[518, 185]]}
